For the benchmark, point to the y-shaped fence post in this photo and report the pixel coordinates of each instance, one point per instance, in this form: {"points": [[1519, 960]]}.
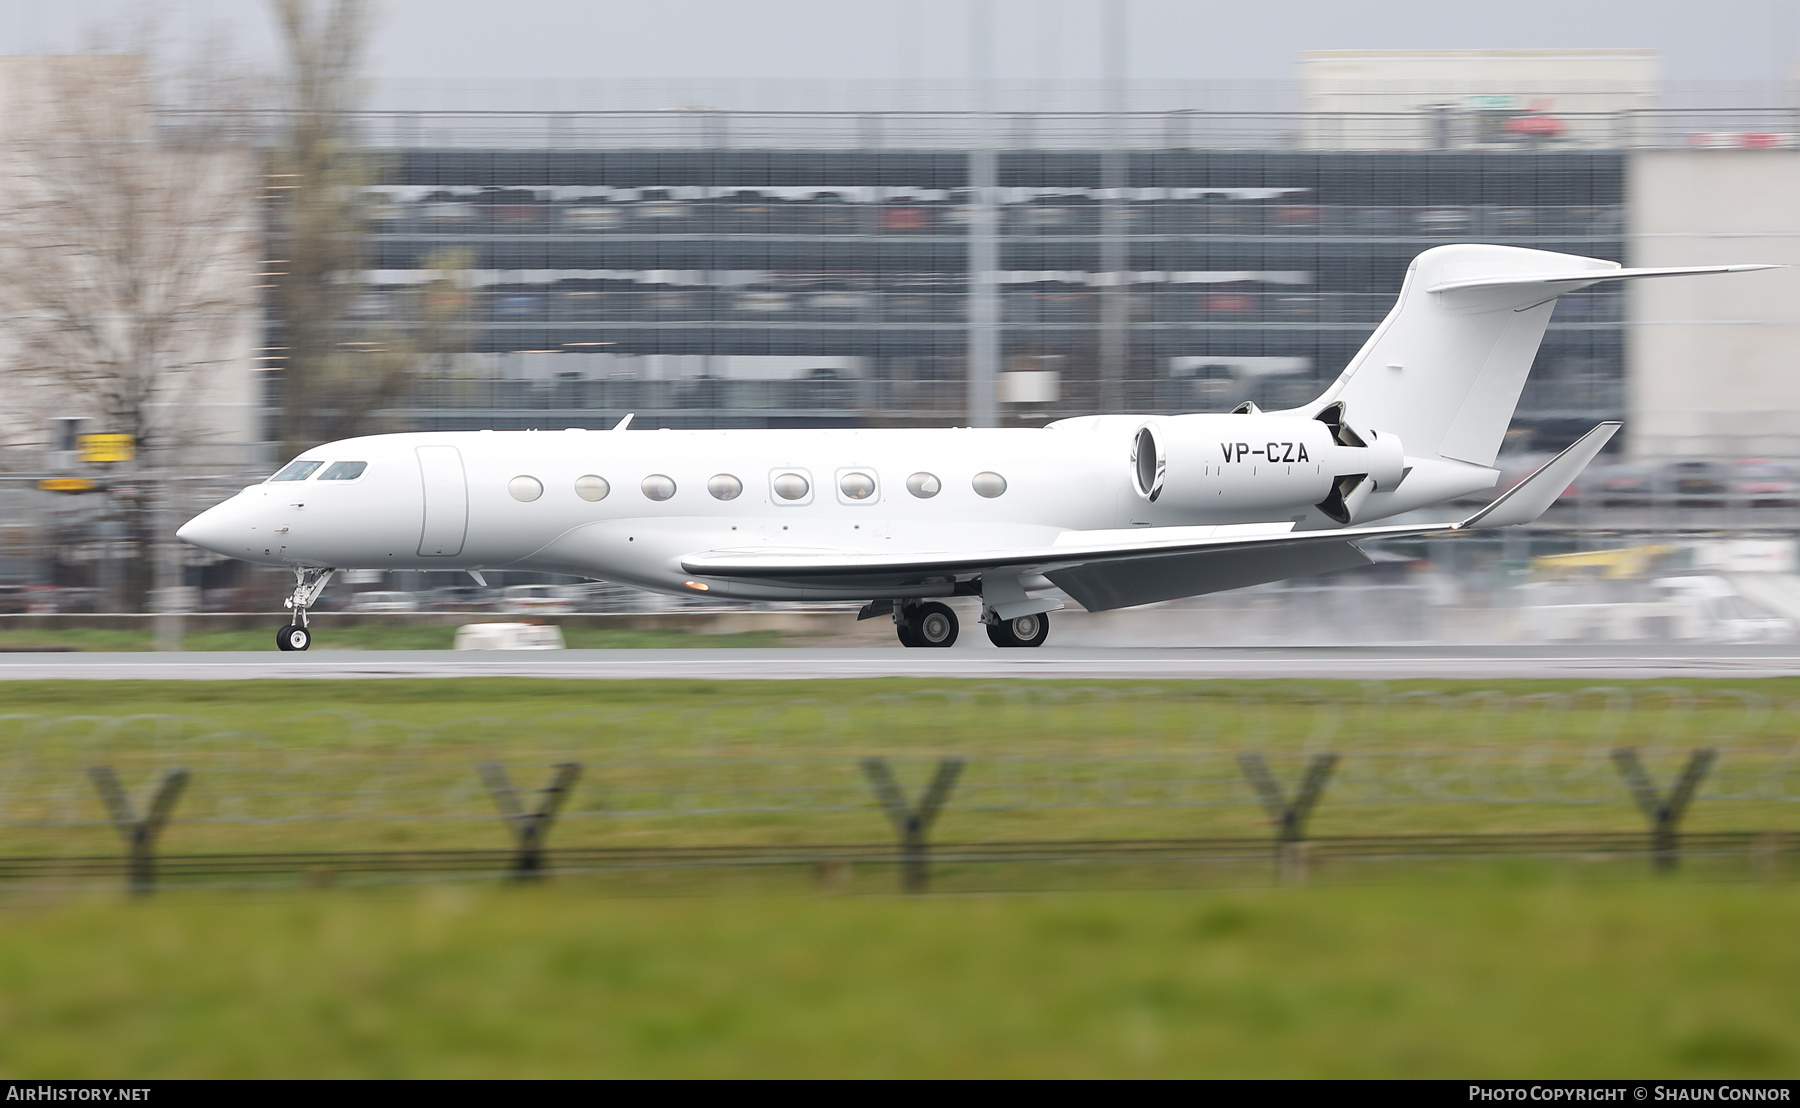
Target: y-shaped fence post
{"points": [[1664, 814], [1289, 819], [529, 828], [139, 834], [912, 824]]}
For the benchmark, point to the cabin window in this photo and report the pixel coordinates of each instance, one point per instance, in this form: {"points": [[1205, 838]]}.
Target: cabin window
{"points": [[343, 471], [592, 487], [296, 471], [989, 484], [924, 485], [857, 485], [659, 486], [791, 485], [525, 489], [724, 486]]}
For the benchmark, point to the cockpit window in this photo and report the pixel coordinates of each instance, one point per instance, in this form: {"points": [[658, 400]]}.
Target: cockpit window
{"points": [[343, 471], [296, 471]]}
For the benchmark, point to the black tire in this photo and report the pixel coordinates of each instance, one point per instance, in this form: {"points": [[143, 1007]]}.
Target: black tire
{"points": [[293, 638], [904, 631], [934, 625], [1024, 631]]}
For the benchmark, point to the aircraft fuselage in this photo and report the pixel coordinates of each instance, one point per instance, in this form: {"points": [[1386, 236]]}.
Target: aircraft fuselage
{"points": [[529, 499]]}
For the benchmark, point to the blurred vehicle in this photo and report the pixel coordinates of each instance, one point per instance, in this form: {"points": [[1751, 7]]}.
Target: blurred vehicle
{"points": [[1293, 215], [1513, 220], [1730, 616], [1624, 485], [763, 301], [380, 601], [1696, 483], [592, 217], [536, 598], [509, 636], [1535, 126], [905, 219], [1297, 307], [14, 598], [448, 211], [1044, 219], [517, 307], [460, 598], [518, 215], [1761, 482], [1444, 220], [840, 301], [1227, 303], [45, 599]]}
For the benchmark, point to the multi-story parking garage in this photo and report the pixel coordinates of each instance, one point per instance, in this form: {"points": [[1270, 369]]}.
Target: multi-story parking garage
{"points": [[711, 287]]}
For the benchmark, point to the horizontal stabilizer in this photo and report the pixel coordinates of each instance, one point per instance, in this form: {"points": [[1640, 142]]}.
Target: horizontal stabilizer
{"points": [[1530, 498], [1559, 283]]}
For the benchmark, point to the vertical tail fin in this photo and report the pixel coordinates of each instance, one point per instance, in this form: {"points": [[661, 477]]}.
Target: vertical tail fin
{"points": [[1445, 369]]}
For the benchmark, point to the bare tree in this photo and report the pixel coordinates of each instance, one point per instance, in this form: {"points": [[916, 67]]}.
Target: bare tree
{"points": [[126, 257], [338, 374]]}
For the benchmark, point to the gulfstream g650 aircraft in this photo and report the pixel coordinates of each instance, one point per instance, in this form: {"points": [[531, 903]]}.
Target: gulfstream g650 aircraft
{"points": [[1113, 510]]}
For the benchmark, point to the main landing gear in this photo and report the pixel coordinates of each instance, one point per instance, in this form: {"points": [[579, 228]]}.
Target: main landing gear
{"points": [[308, 584], [931, 624], [934, 624], [1024, 631]]}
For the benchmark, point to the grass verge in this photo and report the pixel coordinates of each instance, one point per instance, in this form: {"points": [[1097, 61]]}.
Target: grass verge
{"points": [[1491, 977]]}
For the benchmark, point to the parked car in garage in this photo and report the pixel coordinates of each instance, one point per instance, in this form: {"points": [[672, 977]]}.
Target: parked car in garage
{"points": [[536, 598], [1761, 482], [382, 601], [1697, 483]]}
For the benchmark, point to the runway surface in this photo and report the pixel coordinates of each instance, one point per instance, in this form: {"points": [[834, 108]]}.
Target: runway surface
{"points": [[1317, 663]]}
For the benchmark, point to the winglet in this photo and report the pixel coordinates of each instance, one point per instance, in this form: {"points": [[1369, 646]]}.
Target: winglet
{"points": [[1529, 499]]}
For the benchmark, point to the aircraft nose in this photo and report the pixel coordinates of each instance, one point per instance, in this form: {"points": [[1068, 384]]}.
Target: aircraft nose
{"points": [[209, 530]]}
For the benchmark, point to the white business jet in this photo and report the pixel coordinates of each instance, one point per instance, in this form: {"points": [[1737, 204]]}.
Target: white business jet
{"points": [[1113, 510]]}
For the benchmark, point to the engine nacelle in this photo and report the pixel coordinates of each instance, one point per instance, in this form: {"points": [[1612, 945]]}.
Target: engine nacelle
{"points": [[1228, 464]]}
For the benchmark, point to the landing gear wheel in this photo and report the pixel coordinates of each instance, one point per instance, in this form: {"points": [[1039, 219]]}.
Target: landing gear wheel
{"points": [[1024, 631], [908, 635], [934, 625], [293, 638]]}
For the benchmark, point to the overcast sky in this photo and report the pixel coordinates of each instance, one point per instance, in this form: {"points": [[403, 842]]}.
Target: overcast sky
{"points": [[490, 42]]}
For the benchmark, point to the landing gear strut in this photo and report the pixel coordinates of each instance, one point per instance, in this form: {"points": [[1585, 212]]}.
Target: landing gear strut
{"points": [[1024, 631], [308, 584], [930, 624]]}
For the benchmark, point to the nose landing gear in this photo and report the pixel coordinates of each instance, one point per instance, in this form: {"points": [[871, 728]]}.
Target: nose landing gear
{"points": [[308, 584]]}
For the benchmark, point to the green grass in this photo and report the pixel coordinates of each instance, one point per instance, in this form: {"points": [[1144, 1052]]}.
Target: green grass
{"points": [[1486, 977], [320, 765], [331, 637], [1464, 968]]}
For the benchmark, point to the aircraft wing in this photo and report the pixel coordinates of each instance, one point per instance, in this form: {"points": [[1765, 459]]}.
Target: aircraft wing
{"points": [[1113, 569]]}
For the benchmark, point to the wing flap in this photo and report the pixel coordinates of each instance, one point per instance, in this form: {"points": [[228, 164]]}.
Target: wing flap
{"points": [[1071, 550], [1103, 586]]}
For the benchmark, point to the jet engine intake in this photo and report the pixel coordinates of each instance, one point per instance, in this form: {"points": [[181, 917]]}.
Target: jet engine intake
{"points": [[1149, 463]]}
